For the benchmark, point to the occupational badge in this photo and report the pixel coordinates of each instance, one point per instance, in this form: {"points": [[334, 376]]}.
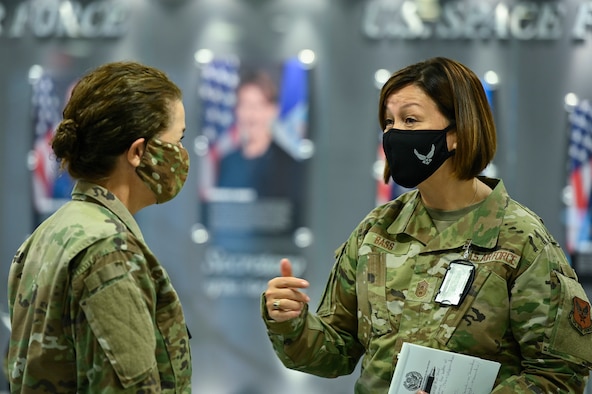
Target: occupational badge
{"points": [[580, 316]]}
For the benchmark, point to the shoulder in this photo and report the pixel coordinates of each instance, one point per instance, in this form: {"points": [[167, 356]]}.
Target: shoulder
{"points": [[381, 217], [389, 211], [82, 226], [524, 233], [524, 225]]}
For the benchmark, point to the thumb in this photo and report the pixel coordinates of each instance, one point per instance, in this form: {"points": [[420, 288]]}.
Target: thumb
{"points": [[286, 267]]}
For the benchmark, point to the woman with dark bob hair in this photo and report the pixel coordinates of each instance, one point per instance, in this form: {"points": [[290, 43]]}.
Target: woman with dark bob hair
{"points": [[92, 309], [454, 264]]}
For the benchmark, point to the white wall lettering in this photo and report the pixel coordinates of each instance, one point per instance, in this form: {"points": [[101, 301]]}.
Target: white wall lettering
{"points": [[583, 21], [468, 20], [69, 19]]}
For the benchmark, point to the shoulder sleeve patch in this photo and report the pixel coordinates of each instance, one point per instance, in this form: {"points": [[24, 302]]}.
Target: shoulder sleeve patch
{"points": [[580, 316], [569, 321]]}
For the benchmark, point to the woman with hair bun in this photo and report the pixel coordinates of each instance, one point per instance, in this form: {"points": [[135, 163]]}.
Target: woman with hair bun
{"points": [[91, 308]]}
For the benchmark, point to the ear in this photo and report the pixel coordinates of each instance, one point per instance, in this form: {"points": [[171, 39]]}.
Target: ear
{"points": [[451, 140], [135, 152]]}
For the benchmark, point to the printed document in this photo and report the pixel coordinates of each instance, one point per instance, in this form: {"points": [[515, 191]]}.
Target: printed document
{"points": [[441, 372]]}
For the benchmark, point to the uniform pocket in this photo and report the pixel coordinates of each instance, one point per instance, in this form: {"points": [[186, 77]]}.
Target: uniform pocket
{"points": [[571, 331], [478, 324], [372, 294], [123, 327]]}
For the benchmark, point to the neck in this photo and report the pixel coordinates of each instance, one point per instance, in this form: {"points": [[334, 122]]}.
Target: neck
{"points": [[452, 194]]}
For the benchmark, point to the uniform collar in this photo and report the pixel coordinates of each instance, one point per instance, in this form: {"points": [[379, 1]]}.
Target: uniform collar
{"points": [[482, 225], [87, 191]]}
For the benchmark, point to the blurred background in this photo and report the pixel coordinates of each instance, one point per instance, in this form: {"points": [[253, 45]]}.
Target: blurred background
{"points": [[328, 60]]}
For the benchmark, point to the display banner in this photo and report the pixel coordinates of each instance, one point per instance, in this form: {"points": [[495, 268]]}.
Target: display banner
{"points": [[51, 187], [579, 235], [251, 187], [579, 213], [252, 177]]}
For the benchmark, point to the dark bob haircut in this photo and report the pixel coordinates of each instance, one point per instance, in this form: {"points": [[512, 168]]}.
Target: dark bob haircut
{"points": [[460, 97]]}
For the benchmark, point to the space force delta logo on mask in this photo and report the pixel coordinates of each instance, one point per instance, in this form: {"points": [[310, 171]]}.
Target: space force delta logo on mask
{"points": [[69, 19]]}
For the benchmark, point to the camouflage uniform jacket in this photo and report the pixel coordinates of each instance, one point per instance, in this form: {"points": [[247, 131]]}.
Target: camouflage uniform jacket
{"points": [[91, 308], [525, 308]]}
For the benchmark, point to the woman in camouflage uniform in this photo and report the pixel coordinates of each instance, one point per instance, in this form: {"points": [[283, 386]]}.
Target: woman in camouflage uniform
{"points": [[524, 306], [92, 310]]}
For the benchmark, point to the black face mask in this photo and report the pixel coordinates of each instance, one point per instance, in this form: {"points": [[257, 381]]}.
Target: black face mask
{"points": [[414, 155]]}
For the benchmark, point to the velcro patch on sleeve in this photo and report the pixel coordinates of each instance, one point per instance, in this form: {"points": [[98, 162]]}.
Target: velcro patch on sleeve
{"points": [[580, 316]]}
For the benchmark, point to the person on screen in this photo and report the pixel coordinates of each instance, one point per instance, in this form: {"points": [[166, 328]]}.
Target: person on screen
{"points": [[92, 310], [259, 163], [259, 168], [515, 298]]}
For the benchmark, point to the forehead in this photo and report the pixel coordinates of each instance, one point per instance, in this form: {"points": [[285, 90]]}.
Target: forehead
{"points": [[251, 90], [409, 96]]}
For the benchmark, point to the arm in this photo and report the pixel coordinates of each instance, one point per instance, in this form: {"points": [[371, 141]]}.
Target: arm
{"points": [[325, 343], [556, 354], [114, 329]]}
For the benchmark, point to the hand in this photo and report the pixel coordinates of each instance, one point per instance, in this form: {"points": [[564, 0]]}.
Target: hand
{"points": [[284, 300]]}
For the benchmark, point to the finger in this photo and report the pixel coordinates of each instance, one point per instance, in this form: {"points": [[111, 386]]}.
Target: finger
{"points": [[289, 282], [287, 294], [282, 310], [287, 305], [285, 267]]}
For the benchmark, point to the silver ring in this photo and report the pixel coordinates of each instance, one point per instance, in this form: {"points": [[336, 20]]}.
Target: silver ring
{"points": [[276, 305]]}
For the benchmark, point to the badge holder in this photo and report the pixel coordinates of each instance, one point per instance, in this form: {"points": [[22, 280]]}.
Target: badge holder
{"points": [[456, 283]]}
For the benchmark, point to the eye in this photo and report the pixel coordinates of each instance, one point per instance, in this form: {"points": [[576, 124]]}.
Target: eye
{"points": [[388, 123], [410, 121]]}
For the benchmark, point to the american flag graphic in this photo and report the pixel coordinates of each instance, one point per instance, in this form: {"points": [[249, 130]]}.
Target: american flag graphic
{"points": [[579, 236], [51, 187], [217, 90]]}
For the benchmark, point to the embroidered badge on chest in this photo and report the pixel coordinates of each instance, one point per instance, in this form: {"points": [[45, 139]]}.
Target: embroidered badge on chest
{"points": [[580, 316], [422, 289]]}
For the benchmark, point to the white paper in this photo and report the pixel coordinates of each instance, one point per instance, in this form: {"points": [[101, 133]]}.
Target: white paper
{"points": [[453, 373]]}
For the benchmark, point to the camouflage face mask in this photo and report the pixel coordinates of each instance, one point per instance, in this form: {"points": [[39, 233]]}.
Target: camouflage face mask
{"points": [[164, 168]]}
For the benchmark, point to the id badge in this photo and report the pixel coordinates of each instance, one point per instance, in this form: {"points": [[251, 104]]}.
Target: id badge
{"points": [[456, 283]]}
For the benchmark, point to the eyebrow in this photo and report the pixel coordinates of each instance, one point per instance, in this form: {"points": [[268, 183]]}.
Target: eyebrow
{"points": [[387, 111], [403, 106], [412, 104]]}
